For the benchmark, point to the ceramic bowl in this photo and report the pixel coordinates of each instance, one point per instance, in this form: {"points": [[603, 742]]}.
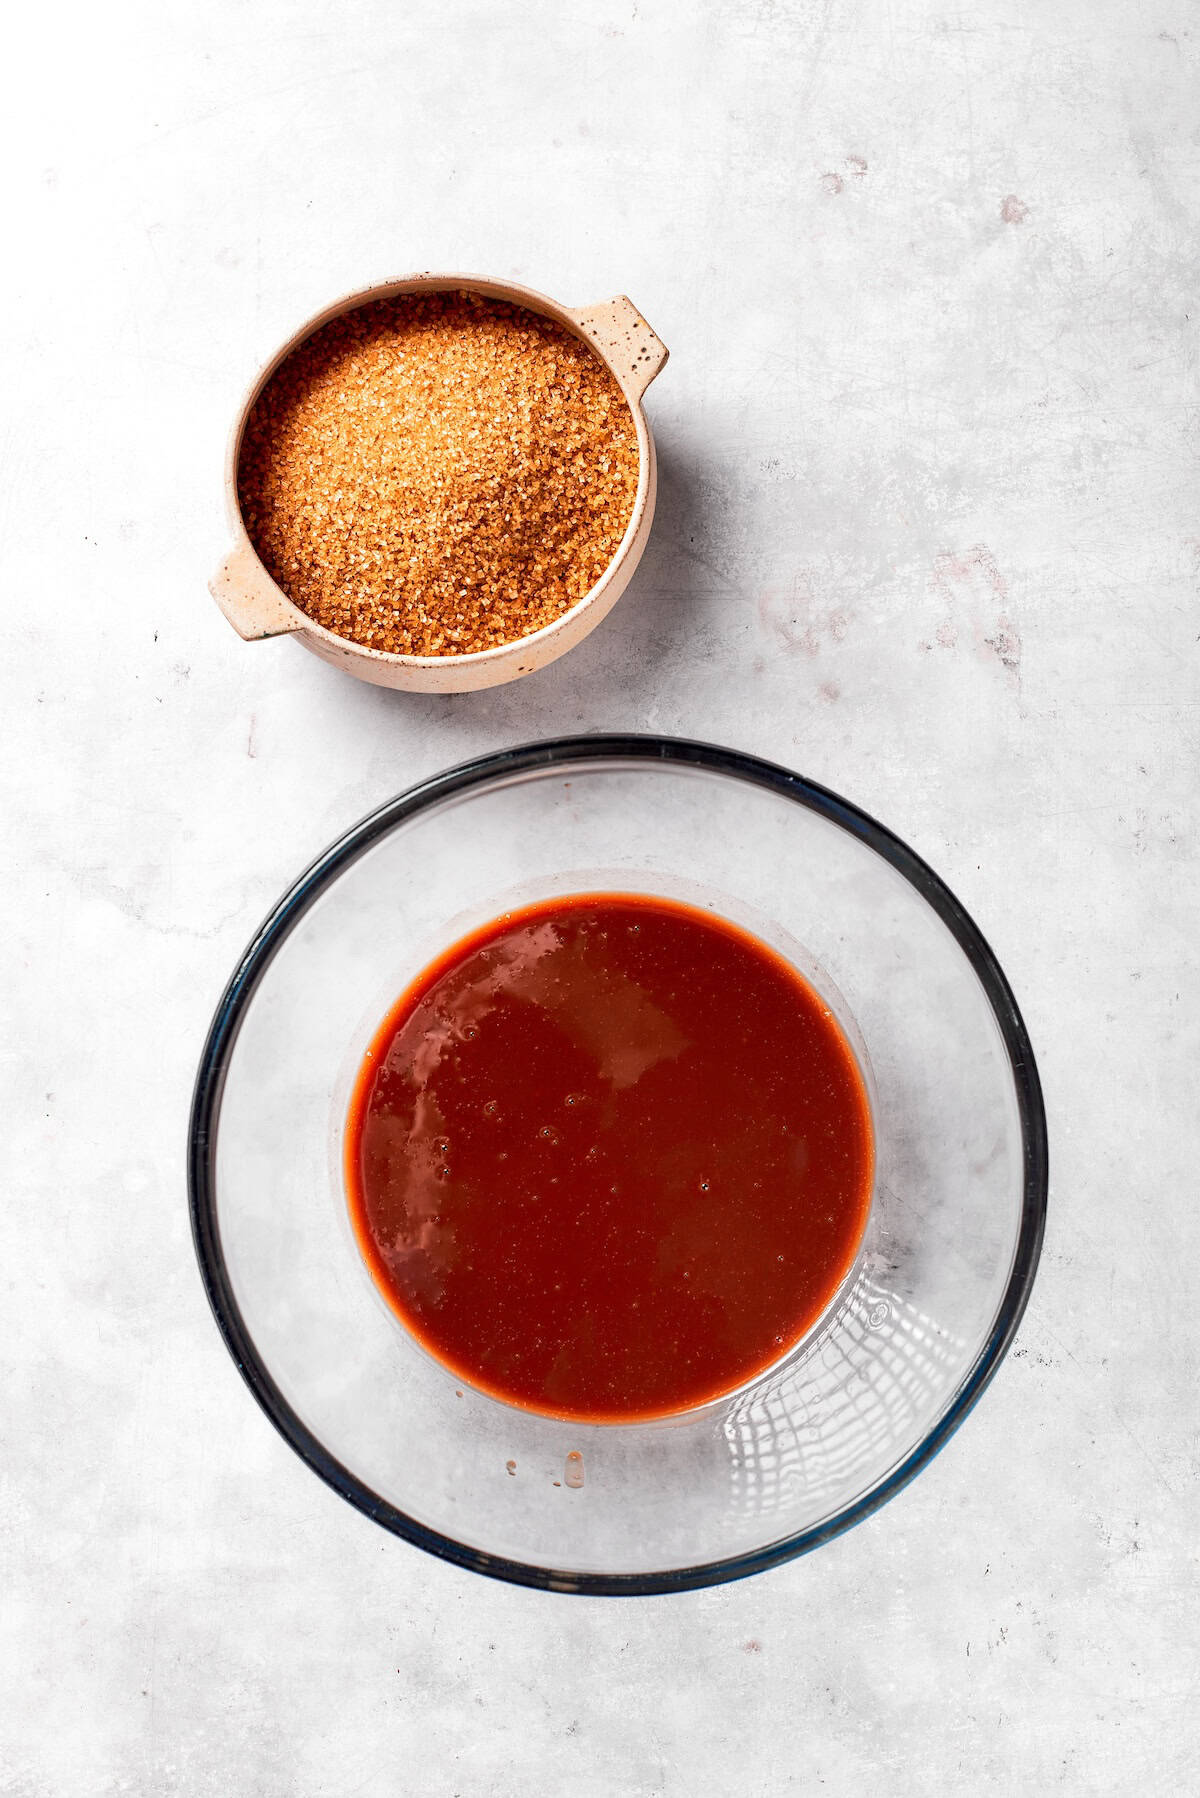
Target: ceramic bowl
{"points": [[257, 607]]}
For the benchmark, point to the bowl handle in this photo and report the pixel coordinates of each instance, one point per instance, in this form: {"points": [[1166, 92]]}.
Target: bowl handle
{"points": [[250, 599], [624, 338]]}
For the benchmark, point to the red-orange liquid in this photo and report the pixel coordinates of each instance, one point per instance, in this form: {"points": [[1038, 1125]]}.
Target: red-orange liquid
{"points": [[609, 1157]]}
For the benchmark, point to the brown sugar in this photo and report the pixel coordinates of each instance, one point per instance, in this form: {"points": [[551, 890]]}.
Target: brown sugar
{"points": [[440, 473]]}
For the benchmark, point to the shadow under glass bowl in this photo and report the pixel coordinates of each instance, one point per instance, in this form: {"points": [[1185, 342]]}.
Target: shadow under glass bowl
{"points": [[809, 1448]]}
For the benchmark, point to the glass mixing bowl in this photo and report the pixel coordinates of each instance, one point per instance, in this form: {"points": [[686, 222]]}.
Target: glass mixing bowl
{"points": [[818, 1441]]}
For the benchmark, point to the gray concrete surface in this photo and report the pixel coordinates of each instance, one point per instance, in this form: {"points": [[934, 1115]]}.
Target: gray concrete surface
{"points": [[928, 532]]}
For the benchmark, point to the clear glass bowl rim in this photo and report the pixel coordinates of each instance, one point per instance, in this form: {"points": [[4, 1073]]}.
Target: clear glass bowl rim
{"points": [[539, 758]]}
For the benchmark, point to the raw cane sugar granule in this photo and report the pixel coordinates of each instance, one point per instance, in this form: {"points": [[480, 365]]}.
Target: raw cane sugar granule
{"points": [[438, 473]]}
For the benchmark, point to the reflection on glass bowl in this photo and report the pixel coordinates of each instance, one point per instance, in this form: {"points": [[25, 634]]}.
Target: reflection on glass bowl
{"points": [[812, 1445]]}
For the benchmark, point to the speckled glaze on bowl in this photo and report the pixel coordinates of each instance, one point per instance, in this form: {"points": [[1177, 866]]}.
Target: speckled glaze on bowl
{"points": [[257, 607]]}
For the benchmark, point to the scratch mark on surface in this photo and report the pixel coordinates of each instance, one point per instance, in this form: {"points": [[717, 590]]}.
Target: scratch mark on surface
{"points": [[973, 584], [950, 567], [794, 617], [786, 616], [94, 883], [1006, 644]]}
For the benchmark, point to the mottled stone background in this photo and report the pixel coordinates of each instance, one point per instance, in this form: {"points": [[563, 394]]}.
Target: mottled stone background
{"points": [[928, 532]]}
